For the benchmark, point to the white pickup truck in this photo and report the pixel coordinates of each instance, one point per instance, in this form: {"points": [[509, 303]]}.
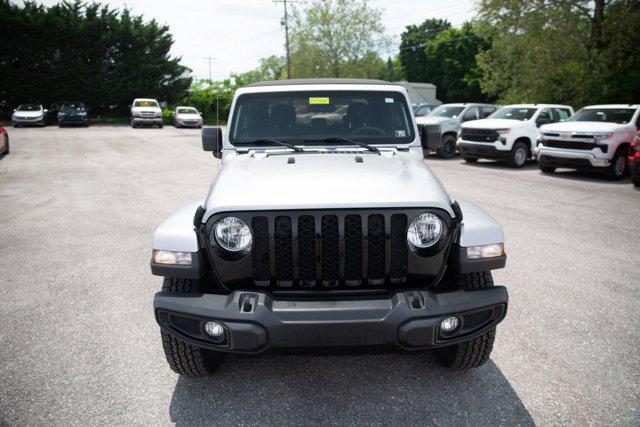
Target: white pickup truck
{"points": [[449, 118], [509, 134], [596, 137]]}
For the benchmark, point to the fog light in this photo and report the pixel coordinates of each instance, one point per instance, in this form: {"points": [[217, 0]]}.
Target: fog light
{"points": [[214, 329], [449, 324]]}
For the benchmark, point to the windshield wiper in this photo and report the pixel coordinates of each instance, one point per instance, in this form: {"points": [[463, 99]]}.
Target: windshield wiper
{"points": [[271, 141], [343, 140]]}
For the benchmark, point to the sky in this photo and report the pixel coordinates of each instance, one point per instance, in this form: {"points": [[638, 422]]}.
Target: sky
{"points": [[237, 33]]}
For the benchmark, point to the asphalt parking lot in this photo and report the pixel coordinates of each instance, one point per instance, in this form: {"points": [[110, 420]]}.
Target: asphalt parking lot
{"points": [[79, 345]]}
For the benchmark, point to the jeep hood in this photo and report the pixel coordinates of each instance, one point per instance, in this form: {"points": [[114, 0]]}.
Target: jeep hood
{"points": [[494, 124], [324, 181], [583, 127]]}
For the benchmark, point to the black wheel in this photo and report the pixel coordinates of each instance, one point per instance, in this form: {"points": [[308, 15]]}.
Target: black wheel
{"points": [[475, 352], [618, 167], [448, 148], [160, 126], [133, 124], [60, 124], [518, 155], [547, 169], [5, 145], [470, 159], [635, 175], [183, 358]]}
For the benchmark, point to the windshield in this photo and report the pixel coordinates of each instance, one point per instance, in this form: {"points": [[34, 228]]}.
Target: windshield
{"points": [[73, 106], [146, 104], [367, 116], [446, 111], [187, 111], [29, 107], [613, 115], [512, 113]]}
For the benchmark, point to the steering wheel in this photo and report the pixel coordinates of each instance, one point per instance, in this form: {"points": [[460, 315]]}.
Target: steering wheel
{"points": [[369, 130]]}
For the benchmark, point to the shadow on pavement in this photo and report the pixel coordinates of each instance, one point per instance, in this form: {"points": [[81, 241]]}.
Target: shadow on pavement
{"points": [[365, 389], [587, 176]]}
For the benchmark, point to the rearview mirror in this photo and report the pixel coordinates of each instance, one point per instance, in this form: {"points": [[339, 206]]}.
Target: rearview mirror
{"points": [[212, 140]]}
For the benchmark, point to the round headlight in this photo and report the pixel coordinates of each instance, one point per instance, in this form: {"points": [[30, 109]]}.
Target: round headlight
{"points": [[233, 234], [424, 231]]}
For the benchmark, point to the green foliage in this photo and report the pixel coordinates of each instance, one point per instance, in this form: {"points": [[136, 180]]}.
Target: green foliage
{"points": [[561, 51], [413, 56], [337, 38], [89, 52]]}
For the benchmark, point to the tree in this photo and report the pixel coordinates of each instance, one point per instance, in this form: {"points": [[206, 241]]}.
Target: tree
{"points": [[569, 51], [90, 52], [413, 56], [337, 38]]}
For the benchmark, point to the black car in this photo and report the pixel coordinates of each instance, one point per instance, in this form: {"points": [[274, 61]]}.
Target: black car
{"points": [[73, 112]]}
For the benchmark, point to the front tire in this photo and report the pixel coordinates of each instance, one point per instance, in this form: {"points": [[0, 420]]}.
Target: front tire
{"points": [[518, 155], [618, 167], [475, 352], [183, 358], [547, 169], [470, 159], [448, 148]]}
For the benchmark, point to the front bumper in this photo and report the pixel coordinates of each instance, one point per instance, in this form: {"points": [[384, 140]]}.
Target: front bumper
{"points": [[73, 119], [147, 120], [570, 159], [482, 150], [28, 120], [256, 322]]}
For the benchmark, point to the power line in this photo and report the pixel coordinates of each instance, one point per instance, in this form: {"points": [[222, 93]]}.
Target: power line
{"points": [[212, 60], [286, 32]]}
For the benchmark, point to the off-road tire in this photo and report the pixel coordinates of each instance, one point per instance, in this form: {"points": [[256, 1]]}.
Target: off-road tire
{"points": [[514, 156], [448, 148], [611, 172], [470, 159], [547, 169], [475, 352], [183, 358]]}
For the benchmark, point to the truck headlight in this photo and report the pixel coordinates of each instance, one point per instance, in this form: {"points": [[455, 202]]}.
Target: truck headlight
{"points": [[233, 234], [425, 230], [485, 251], [503, 132], [169, 257]]}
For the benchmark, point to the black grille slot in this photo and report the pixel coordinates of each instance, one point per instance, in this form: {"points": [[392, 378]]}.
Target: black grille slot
{"points": [[261, 260], [375, 249], [284, 251], [479, 135], [307, 251], [571, 145], [476, 319], [330, 250], [398, 270], [186, 325], [353, 250]]}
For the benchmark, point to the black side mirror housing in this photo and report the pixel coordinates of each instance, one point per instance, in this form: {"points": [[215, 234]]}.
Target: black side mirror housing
{"points": [[212, 140], [542, 121]]}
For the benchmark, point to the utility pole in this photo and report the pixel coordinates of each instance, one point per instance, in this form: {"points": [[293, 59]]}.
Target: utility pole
{"points": [[212, 60], [286, 33]]}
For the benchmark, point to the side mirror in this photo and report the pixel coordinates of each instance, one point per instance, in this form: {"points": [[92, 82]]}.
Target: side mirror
{"points": [[212, 140], [542, 121]]}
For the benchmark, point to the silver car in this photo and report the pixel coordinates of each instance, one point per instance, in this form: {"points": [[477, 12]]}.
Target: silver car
{"points": [[325, 234], [184, 116], [29, 114]]}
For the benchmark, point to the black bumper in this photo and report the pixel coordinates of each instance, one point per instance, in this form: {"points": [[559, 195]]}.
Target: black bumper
{"points": [[562, 162], [256, 322], [481, 151], [73, 120]]}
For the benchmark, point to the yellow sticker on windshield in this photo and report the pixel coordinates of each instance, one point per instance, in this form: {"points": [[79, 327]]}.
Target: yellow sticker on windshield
{"points": [[319, 100]]}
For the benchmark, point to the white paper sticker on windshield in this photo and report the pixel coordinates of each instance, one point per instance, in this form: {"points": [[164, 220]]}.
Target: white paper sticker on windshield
{"points": [[400, 133], [388, 100]]}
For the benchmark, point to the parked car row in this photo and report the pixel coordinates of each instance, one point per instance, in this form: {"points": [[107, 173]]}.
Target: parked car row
{"points": [[144, 111], [598, 137]]}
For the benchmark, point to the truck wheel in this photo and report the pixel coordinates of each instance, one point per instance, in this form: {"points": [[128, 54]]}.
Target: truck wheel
{"points": [[470, 159], [448, 148], [518, 155], [618, 167], [547, 169], [475, 352], [133, 124], [183, 358], [635, 176]]}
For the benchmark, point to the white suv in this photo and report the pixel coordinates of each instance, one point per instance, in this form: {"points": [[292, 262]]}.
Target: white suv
{"points": [[146, 111], [509, 134], [449, 118], [596, 137]]}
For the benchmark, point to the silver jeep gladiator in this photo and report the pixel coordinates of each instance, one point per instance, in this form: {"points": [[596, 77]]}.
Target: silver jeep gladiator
{"points": [[325, 229]]}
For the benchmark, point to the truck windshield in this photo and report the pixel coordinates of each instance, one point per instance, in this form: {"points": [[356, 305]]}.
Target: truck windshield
{"points": [[146, 104], [512, 113], [311, 117], [613, 115], [446, 111]]}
